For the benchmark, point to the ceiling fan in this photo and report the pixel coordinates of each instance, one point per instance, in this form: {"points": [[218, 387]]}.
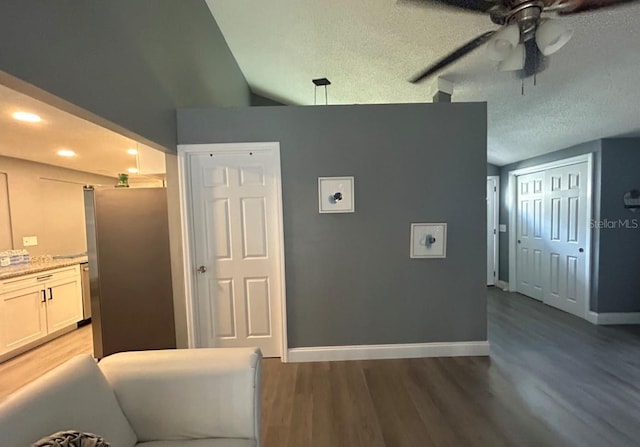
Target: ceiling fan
{"points": [[529, 32]]}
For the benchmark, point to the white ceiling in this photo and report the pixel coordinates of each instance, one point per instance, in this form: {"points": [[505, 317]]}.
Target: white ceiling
{"points": [[369, 48], [99, 150]]}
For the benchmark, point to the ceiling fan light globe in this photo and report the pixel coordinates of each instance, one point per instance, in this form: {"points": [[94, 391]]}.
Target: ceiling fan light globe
{"points": [[515, 61], [503, 46], [500, 46], [552, 35]]}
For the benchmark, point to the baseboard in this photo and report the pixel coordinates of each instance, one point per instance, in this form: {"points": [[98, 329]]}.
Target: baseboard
{"points": [[611, 318], [394, 351], [503, 285], [592, 317]]}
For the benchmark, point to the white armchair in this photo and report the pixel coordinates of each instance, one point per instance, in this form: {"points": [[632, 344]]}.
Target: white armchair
{"points": [[172, 398]]}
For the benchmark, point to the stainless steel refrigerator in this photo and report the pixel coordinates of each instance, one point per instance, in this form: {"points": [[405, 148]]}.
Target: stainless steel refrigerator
{"points": [[130, 269]]}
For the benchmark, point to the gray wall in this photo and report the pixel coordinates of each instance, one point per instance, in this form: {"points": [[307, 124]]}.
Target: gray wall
{"points": [[492, 170], [130, 62], [349, 276], [619, 266]]}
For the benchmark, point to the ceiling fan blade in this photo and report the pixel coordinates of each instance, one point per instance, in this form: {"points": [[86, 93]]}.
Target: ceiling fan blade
{"points": [[481, 6], [577, 6], [454, 56]]}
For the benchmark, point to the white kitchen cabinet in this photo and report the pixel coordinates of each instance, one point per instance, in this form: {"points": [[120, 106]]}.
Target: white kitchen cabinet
{"points": [[37, 307], [23, 317], [64, 303]]}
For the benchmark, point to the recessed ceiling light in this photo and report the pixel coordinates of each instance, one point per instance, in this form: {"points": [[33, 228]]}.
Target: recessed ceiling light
{"points": [[26, 116], [133, 170], [66, 153], [132, 151]]}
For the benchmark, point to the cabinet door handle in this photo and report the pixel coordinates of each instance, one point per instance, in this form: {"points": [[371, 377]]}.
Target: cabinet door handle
{"points": [[44, 296], [50, 293], [40, 278]]}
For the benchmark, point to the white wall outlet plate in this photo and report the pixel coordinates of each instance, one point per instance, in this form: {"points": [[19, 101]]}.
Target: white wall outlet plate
{"points": [[336, 195], [428, 240], [29, 241]]}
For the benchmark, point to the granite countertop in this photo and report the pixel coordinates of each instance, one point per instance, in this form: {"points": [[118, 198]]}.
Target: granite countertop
{"points": [[39, 264]]}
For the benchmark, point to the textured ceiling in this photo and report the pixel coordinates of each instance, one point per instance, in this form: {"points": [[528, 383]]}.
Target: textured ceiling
{"points": [[99, 150], [369, 48]]}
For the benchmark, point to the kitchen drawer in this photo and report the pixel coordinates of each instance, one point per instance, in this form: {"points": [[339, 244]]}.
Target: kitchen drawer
{"points": [[26, 280]]}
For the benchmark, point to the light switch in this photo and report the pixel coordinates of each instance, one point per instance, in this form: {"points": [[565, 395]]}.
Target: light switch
{"points": [[30, 241], [503, 228]]}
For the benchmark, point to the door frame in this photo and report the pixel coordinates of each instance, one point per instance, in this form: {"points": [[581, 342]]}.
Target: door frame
{"points": [[496, 221], [512, 195], [185, 152]]}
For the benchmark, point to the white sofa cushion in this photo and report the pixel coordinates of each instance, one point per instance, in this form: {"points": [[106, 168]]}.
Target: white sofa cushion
{"points": [[74, 396], [200, 443], [188, 394]]}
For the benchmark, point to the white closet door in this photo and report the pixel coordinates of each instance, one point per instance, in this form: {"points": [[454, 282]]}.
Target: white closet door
{"points": [[529, 233], [566, 237], [551, 232], [492, 232]]}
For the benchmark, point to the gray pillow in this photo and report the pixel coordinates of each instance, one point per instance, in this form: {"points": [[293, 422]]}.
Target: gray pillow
{"points": [[71, 438]]}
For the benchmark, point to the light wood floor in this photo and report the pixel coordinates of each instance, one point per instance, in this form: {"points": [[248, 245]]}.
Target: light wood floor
{"points": [[552, 380], [20, 370]]}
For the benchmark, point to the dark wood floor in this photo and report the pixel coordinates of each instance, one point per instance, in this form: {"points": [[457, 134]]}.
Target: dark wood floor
{"points": [[552, 380]]}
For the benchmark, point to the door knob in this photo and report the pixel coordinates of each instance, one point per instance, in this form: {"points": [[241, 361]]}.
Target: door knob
{"points": [[202, 269], [518, 241], [581, 250]]}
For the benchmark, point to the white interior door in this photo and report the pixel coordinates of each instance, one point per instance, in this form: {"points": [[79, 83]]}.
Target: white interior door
{"points": [[529, 234], [566, 228], [237, 221], [492, 230]]}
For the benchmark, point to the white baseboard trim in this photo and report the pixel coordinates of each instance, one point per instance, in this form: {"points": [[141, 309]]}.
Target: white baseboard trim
{"points": [[394, 351], [592, 317], [503, 285], [610, 318]]}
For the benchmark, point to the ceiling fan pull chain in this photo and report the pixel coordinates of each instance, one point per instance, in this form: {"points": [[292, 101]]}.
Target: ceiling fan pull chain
{"points": [[537, 65]]}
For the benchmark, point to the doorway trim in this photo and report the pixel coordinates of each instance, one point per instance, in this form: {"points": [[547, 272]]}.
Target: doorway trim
{"points": [[496, 222], [512, 193], [185, 151]]}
